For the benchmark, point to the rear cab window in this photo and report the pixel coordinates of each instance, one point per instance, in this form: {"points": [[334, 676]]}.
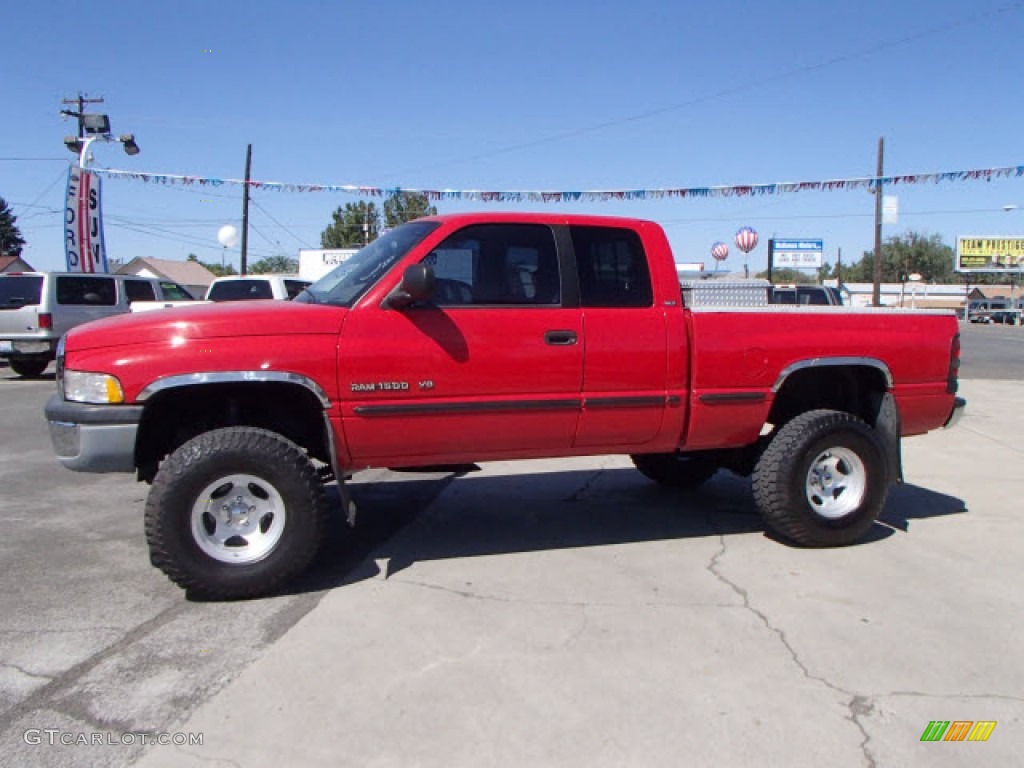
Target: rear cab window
{"points": [[86, 290], [20, 291], [612, 267]]}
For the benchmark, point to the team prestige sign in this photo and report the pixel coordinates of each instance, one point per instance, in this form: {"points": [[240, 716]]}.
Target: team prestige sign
{"points": [[84, 249], [977, 253]]}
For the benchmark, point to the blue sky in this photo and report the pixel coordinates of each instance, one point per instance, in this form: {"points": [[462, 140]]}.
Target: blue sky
{"points": [[556, 95]]}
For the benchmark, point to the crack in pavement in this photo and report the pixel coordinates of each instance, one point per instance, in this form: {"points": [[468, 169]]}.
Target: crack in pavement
{"points": [[582, 490], [857, 705], [48, 697], [24, 671], [564, 603]]}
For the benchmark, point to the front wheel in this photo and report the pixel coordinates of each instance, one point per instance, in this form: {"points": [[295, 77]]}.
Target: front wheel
{"points": [[235, 513], [823, 479]]}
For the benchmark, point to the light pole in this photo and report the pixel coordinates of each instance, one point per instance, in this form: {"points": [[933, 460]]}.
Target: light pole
{"points": [[94, 127], [84, 248]]}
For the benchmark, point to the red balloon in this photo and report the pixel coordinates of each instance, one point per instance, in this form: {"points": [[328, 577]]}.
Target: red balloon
{"points": [[746, 239]]}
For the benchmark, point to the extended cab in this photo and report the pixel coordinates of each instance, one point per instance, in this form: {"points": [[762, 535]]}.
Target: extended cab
{"points": [[462, 338]]}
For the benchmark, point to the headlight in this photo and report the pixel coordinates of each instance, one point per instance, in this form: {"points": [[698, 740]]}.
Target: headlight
{"points": [[83, 387]]}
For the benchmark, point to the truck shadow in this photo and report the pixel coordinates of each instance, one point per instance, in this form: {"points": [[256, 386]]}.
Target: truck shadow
{"points": [[494, 515]]}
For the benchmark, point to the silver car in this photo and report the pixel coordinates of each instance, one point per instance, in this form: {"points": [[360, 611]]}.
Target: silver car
{"points": [[38, 308]]}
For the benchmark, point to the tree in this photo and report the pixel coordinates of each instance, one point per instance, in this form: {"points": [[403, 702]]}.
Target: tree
{"points": [[216, 269], [346, 227], [783, 275], [11, 241], [273, 264], [905, 255], [406, 206]]}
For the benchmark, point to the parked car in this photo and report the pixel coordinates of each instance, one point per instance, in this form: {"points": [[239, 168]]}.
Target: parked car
{"points": [[1005, 317], [38, 308], [247, 287], [817, 295]]}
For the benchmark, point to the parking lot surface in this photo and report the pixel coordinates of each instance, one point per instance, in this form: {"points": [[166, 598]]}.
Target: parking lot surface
{"points": [[544, 613]]}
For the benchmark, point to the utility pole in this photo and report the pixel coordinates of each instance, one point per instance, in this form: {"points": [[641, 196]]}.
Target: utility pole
{"points": [[81, 101], [876, 295], [245, 209], [839, 269]]}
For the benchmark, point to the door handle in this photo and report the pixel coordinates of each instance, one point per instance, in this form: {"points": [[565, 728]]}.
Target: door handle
{"points": [[560, 338]]}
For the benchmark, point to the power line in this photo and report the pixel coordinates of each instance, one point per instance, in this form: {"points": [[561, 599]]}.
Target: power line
{"points": [[751, 85], [282, 226]]}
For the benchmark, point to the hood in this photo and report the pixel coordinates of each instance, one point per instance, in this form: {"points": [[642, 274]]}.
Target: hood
{"points": [[209, 321]]}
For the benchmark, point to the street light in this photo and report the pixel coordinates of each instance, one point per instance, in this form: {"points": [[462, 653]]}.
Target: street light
{"points": [[95, 127]]}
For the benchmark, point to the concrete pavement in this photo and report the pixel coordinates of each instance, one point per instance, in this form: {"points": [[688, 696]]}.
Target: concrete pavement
{"points": [[584, 617]]}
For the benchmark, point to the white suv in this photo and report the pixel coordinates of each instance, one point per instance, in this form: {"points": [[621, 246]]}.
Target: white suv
{"points": [[246, 287]]}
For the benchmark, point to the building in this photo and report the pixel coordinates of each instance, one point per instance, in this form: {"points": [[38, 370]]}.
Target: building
{"points": [[191, 274], [14, 264], [913, 295]]}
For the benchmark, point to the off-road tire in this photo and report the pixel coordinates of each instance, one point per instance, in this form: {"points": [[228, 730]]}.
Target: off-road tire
{"points": [[28, 367], [833, 443], [207, 459], [675, 470]]}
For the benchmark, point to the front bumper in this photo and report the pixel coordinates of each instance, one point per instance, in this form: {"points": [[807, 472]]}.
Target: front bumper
{"points": [[959, 404], [93, 438]]}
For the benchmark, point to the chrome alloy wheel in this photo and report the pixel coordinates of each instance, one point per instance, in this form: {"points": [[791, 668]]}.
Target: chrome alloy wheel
{"points": [[238, 519], [836, 483]]}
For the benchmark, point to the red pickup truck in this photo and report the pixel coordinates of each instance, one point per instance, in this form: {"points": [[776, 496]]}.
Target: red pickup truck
{"points": [[475, 337]]}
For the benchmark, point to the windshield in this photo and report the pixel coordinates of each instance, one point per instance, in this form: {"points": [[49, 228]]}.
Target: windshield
{"points": [[344, 284], [20, 290]]}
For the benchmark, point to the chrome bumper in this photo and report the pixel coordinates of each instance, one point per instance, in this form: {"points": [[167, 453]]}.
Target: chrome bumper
{"points": [[93, 438]]}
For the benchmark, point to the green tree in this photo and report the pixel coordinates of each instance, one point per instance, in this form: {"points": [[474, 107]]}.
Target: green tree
{"points": [[273, 264], [346, 227], [406, 206], [216, 269], [784, 275], [906, 254], [11, 241]]}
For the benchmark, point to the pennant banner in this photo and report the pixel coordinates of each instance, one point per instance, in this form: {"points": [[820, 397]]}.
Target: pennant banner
{"points": [[84, 249], [600, 195]]}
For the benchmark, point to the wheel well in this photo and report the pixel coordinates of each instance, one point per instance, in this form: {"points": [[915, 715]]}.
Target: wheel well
{"points": [[174, 416], [856, 389]]}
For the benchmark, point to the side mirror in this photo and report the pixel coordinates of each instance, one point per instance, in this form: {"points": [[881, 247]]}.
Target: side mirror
{"points": [[417, 285]]}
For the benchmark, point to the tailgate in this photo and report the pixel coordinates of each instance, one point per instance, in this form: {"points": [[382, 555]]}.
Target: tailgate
{"points": [[19, 305]]}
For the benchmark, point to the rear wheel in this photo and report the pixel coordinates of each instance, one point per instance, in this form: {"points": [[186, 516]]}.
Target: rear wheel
{"points": [[676, 470], [29, 367], [823, 479], [235, 513]]}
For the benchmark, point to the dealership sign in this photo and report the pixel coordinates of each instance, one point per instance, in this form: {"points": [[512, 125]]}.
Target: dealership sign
{"points": [[799, 253], [976, 253], [84, 250]]}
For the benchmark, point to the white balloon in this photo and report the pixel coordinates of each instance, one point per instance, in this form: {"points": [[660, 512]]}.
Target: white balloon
{"points": [[227, 235]]}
